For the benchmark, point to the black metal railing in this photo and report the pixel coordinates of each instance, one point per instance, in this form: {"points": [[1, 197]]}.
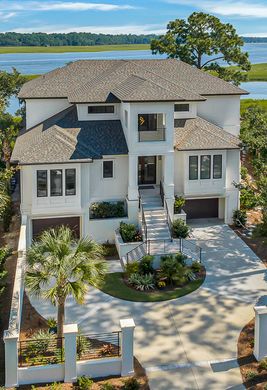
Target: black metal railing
{"points": [[137, 253], [169, 221], [45, 351], [190, 249], [157, 134], [161, 191], [98, 346], [143, 221]]}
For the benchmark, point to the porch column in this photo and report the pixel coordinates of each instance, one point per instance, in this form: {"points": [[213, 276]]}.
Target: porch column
{"points": [[132, 182], [260, 333], [168, 180], [70, 332], [127, 346], [11, 359]]}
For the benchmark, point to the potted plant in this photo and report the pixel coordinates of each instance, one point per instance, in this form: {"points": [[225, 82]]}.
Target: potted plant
{"points": [[178, 204]]}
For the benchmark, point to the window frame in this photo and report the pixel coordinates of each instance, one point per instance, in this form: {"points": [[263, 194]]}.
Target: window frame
{"points": [[75, 182], [105, 109], [61, 192], [140, 129], [190, 157], [109, 177], [187, 105], [221, 166], [201, 158], [46, 178]]}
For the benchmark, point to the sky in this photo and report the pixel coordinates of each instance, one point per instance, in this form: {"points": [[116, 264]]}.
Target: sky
{"points": [[126, 16]]}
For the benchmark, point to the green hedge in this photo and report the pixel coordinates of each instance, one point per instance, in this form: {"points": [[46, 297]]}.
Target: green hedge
{"points": [[103, 210]]}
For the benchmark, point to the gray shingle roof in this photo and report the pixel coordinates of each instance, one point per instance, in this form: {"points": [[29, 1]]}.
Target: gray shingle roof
{"points": [[63, 138], [199, 134], [140, 80]]}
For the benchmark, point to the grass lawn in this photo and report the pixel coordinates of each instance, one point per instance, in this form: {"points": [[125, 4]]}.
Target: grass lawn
{"points": [[115, 286], [68, 49], [245, 103], [258, 72]]}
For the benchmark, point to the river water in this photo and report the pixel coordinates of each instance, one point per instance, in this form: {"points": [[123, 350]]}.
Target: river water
{"points": [[39, 63]]}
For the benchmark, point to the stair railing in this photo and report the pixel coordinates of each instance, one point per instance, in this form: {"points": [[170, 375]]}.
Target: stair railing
{"points": [[143, 221]]}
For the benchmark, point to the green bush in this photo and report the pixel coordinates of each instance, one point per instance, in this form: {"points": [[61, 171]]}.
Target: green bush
{"points": [[129, 232], [85, 383], [142, 282], [132, 268], [196, 266], [243, 172], [248, 198], [263, 365], [7, 215], [171, 270], [251, 375], [189, 274], [55, 386], [41, 341], [261, 229], [107, 210], [180, 229], [131, 384], [239, 218], [107, 386], [180, 258], [145, 265], [178, 204]]}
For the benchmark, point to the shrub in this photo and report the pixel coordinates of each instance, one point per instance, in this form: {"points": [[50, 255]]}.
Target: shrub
{"points": [[145, 265], [248, 198], [180, 258], [51, 322], [55, 386], [180, 229], [239, 218], [41, 341], [251, 374], [107, 386], [131, 384], [142, 282], [261, 229], [7, 215], [171, 269], [83, 344], [263, 365], [85, 383], [161, 284], [178, 204], [129, 232], [132, 268], [189, 274], [107, 210], [243, 172], [196, 266]]}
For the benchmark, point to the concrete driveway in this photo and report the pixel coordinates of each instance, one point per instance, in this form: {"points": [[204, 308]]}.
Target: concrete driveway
{"points": [[187, 343]]}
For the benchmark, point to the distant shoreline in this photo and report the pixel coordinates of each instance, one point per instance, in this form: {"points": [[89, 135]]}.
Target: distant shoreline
{"points": [[70, 49]]}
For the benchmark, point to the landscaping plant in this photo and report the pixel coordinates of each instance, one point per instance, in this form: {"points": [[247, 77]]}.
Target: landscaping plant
{"points": [[107, 386], [129, 232], [142, 282], [59, 266], [107, 210], [85, 383], [171, 270], [178, 204], [131, 384], [196, 266], [5, 252], [146, 265], [180, 229], [132, 268], [240, 218]]}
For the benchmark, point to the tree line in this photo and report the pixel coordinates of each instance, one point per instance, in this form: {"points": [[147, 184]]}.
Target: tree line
{"points": [[71, 39]]}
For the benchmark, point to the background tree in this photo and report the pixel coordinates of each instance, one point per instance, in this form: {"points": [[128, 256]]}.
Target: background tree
{"points": [[59, 266], [10, 84], [9, 128], [201, 41]]}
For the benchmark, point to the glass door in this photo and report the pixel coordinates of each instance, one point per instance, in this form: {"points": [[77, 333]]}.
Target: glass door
{"points": [[147, 170]]}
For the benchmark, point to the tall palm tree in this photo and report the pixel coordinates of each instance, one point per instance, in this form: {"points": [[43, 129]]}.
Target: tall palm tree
{"points": [[59, 266]]}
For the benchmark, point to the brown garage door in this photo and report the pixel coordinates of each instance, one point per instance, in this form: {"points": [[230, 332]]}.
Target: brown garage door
{"points": [[201, 208], [39, 225]]}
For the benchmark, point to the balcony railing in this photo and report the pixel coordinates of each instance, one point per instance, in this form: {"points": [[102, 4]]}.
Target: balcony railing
{"points": [[152, 135]]}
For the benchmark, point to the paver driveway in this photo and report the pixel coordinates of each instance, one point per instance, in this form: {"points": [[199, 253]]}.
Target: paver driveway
{"points": [[187, 343]]}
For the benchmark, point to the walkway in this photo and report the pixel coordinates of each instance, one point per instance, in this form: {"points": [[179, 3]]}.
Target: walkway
{"points": [[188, 343]]}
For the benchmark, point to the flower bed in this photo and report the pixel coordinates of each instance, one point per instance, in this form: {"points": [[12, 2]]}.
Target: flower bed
{"points": [[103, 210]]}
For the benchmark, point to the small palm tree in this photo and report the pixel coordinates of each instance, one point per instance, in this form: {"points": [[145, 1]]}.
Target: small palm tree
{"points": [[59, 266]]}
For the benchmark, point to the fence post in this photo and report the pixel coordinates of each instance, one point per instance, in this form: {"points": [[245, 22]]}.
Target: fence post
{"points": [[127, 333], [70, 332], [260, 333], [11, 359]]}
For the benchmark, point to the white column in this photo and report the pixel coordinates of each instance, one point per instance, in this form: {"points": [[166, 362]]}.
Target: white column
{"points": [[260, 335], [11, 359], [168, 175], [133, 179], [127, 354], [70, 332]]}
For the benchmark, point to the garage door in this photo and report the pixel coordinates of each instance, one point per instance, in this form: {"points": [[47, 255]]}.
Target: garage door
{"points": [[201, 208], [39, 225]]}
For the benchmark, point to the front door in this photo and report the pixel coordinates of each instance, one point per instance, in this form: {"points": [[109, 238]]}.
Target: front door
{"points": [[147, 170]]}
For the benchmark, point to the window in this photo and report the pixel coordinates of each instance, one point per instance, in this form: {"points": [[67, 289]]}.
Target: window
{"points": [[107, 169], [126, 118], [100, 109], [147, 122], [193, 167], [181, 107], [56, 182], [70, 182], [217, 166], [205, 167], [41, 184]]}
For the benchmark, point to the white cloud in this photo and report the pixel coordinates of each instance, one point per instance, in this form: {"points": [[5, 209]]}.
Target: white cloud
{"points": [[124, 29], [60, 6], [228, 7], [255, 35], [6, 16]]}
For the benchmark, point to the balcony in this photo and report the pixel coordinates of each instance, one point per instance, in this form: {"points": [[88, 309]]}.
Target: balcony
{"points": [[152, 135]]}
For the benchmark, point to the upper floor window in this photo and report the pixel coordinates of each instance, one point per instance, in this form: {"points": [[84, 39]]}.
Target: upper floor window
{"points": [[193, 167], [147, 122], [70, 181], [217, 166], [56, 182], [41, 183], [107, 169], [181, 107], [205, 167], [100, 109]]}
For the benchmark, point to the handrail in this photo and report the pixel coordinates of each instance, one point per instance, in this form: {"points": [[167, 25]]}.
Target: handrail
{"points": [[144, 244], [169, 221], [161, 191], [143, 220]]}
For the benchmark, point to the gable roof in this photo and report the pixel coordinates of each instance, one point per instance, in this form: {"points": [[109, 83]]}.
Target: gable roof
{"points": [[199, 134], [99, 81], [63, 138]]}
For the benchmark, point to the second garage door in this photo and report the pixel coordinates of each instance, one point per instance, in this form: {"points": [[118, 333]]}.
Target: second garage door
{"points": [[39, 225], [201, 208]]}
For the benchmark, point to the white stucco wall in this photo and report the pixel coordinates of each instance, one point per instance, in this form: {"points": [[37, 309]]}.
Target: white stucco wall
{"points": [[37, 110], [179, 173], [224, 111], [192, 113]]}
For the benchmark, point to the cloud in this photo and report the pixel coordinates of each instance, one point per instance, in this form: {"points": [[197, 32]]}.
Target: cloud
{"points": [[227, 7], [255, 35], [6, 16], [61, 6], [124, 29]]}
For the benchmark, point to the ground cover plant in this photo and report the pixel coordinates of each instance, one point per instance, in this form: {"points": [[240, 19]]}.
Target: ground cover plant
{"points": [[129, 232]]}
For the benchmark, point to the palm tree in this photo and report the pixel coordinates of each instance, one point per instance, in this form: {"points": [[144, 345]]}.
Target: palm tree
{"points": [[59, 266]]}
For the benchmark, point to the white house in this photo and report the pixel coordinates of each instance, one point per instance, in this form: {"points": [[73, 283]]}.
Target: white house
{"points": [[101, 130]]}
